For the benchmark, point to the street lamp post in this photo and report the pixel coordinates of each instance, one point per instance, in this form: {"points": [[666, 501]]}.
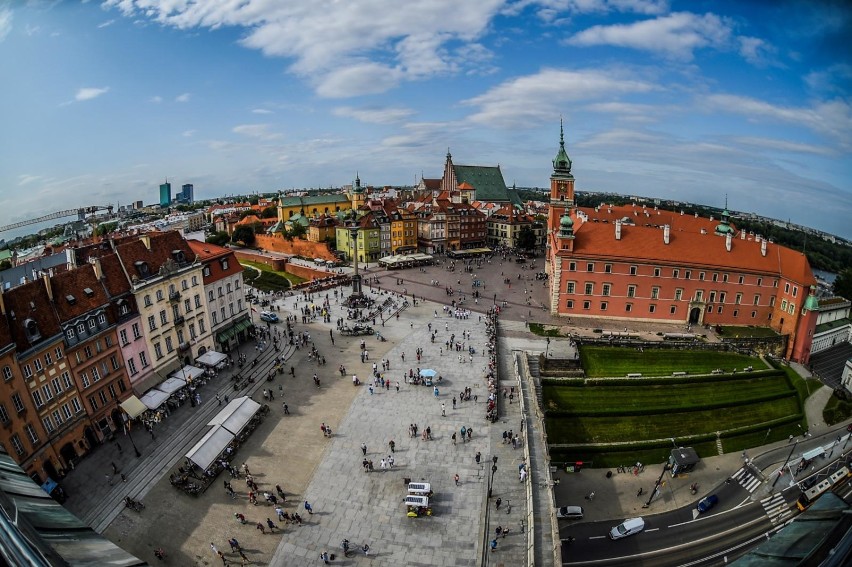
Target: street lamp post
{"points": [[493, 470], [547, 348], [656, 486], [781, 470]]}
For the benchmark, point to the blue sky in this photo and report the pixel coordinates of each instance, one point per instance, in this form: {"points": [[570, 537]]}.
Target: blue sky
{"points": [[683, 100]]}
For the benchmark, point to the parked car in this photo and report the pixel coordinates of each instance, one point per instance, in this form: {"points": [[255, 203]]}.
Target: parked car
{"points": [[570, 512], [268, 317], [707, 502], [626, 528]]}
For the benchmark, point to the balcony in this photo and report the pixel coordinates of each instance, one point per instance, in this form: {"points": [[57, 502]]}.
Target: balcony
{"points": [[179, 320], [174, 296]]}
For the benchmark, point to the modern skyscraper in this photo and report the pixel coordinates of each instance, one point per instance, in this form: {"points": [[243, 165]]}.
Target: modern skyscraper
{"points": [[165, 194], [186, 193]]}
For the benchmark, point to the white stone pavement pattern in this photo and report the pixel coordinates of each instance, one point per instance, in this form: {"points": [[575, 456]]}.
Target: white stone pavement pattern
{"points": [[367, 507]]}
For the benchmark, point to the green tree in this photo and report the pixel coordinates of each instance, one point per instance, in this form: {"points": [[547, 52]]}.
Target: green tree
{"points": [[243, 233], [105, 228], [253, 200], [5, 264], [218, 238], [526, 238], [843, 284], [299, 230], [269, 212]]}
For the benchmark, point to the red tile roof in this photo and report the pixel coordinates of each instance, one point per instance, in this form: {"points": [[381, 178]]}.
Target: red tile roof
{"points": [[211, 255]]}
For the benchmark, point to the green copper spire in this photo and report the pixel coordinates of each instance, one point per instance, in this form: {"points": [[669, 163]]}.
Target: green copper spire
{"points": [[562, 163]]}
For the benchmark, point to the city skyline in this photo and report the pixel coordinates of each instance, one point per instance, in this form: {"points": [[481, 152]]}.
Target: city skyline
{"points": [[671, 100]]}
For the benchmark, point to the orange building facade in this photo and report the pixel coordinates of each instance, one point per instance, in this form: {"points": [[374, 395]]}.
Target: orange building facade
{"points": [[642, 264]]}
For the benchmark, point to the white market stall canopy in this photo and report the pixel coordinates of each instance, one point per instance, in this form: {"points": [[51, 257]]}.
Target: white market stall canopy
{"points": [[188, 373], [134, 407], [171, 385], [211, 358], [236, 414], [154, 398], [208, 449]]}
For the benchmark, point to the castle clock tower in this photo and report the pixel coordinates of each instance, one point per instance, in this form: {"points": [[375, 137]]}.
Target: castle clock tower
{"points": [[561, 185]]}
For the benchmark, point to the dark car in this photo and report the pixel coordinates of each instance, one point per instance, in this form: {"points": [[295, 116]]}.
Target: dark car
{"points": [[707, 502]]}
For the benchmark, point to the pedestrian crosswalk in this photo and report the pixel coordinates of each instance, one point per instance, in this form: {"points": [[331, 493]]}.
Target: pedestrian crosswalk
{"points": [[776, 508], [747, 478]]}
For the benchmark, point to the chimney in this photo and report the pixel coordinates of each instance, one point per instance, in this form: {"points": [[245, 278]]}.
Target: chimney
{"points": [[47, 286], [728, 241], [96, 265], [146, 240], [742, 235], [763, 247], [618, 230], [696, 215], [667, 233]]}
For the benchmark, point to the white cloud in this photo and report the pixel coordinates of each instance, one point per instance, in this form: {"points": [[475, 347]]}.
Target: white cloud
{"points": [[5, 22], [31, 30], [106, 24], [156, 99], [188, 133], [831, 118], [261, 111], [783, 145], [550, 10], [387, 115], [374, 45], [833, 79], [183, 97], [540, 97], [88, 93], [258, 131], [755, 50], [25, 179], [676, 35]]}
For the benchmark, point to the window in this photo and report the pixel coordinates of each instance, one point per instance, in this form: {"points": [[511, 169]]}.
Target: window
{"points": [[699, 295], [102, 319], [194, 280], [66, 411], [652, 308], [96, 374], [792, 309], [655, 293], [759, 281], [164, 318], [569, 304], [783, 305], [48, 394], [603, 305], [187, 306], [159, 295], [122, 336], [102, 395], [201, 325], [756, 299], [192, 330], [31, 433], [108, 341], [701, 276], [722, 296], [570, 289], [738, 298], [608, 268], [210, 295], [239, 304], [143, 359], [222, 310], [197, 300], [715, 277], [7, 373], [17, 445], [114, 360], [590, 267], [206, 271], [736, 312], [679, 294], [180, 337], [81, 328], [37, 364], [56, 385], [712, 298], [131, 365], [37, 399], [772, 301], [78, 407], [628, 307], [18, 403], [672, 309], [136, 332], [224, 263], [215, 318], [175, 311], [183, 285], [28, 372], [590, 288], [219, 290], [88, 351], [633, 270], [123, 309], [158, 351], [606, 289], [152, 323], [795, 291], [48, 360], [725, 278], [786, 288], [656, 272], [169, 347], [587, 305], [675, 273], [228, 288], [720, 308], [66, 381], [709, 309], [237, 284], [687, 275], [631, 291], [4, 415], [58, 352], [741, 280], [111, 389], [753, 314], [57, 417], [94, 403], [148, 302], [572, 266]]}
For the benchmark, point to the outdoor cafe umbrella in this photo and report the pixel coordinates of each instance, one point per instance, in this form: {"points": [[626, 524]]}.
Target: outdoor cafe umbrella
{"points": [[428, 373]]}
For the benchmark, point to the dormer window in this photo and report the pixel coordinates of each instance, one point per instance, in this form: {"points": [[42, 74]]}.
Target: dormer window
{"points": [[70, 299], [69, 334], [88, 291], [224, 263], [179, 256], [142, 269], [81, 328], [31, 328]]}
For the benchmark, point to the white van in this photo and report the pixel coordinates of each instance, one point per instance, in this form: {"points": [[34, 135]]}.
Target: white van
{"points": [[627, 528]]}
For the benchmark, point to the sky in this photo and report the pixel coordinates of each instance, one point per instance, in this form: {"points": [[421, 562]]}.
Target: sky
{"points": [[694, 101]]}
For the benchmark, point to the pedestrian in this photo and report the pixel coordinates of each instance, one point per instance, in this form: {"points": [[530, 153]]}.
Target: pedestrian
{"points": [[324, 557], [641, 491], [213, 547], [523, 475], [392, 446], [309, 508], [286, 409], [478, 457], [366, 549], [235, 545], [259, 526], [280, 512], [123, 478], [494, 544], [443, 410], [114, 468], [590, 496], [240, 518], [454, 437], [243, 559], [222, 557], [271, 525], [364, 448], [456, 478], [498, 502], [397, 385]]}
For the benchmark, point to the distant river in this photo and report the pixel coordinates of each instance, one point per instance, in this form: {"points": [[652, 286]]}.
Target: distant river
{"points": [[825, 276]]}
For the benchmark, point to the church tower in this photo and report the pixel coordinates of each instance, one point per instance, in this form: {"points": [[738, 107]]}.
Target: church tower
{"points": [[561, 185], [357, 193]]}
